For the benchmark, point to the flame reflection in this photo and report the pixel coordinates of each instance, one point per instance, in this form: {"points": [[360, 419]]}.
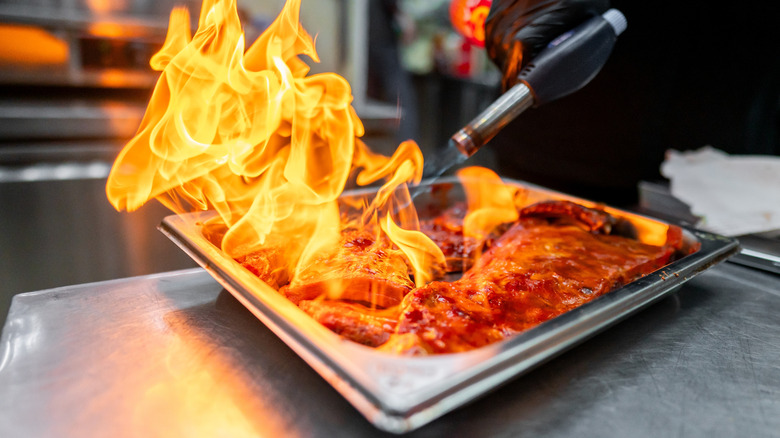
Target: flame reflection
{"points": [[203, 389]]}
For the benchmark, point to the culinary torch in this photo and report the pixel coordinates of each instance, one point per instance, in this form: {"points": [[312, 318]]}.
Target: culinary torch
{"points": [[567, 64]]}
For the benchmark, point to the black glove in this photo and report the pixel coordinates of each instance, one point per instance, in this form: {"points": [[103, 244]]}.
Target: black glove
{"points": [[517, 30]]}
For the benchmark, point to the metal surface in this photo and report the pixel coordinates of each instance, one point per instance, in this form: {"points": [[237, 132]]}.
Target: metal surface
{"points": [[175, 355], [58, 229], [399, 394], [69, 118], [760, 250], [465, 143], [490, 121], [441, 161]]}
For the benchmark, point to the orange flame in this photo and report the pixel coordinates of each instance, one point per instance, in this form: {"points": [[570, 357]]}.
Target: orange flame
{"points": [[426, 258], [251, 135], [490, 201]]}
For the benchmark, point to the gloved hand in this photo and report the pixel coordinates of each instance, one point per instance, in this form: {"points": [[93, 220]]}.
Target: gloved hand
{"points": [[517, 30]]}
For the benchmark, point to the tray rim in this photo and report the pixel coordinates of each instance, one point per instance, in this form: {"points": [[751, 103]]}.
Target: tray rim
{"points": [[471, 374]]}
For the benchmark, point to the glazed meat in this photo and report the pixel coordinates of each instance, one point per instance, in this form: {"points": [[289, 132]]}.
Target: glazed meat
{"points": [[534, 272], [355, 322], [557, 256], [593, 220], [267, 264], [362, 270], [446, 230]]}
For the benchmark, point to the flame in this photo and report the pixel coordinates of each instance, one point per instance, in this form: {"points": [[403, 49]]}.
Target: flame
{"points": [[426, 257], [490, 201], [250, 134], [197, 388]]}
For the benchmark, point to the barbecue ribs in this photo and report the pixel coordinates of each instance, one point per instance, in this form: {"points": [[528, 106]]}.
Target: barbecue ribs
{"points": [[557, 256]]}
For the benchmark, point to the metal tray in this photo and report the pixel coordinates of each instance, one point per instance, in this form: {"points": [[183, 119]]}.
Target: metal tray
{"points": [[399, 394]]}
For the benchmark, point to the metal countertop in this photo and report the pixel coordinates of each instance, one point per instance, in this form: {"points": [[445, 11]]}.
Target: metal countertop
{"points": [[174, 354]]}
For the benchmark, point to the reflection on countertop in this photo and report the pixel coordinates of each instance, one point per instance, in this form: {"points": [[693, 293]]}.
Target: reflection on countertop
{"points": [[175, 355]]}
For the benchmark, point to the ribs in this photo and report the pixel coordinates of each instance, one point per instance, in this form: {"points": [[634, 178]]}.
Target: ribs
{"points": [[267, 264], [362, 270], [534, 272], [371, 327], [557, 256], [446, 230]]}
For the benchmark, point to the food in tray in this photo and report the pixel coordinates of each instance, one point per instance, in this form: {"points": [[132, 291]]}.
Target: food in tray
{"points": [[362, 269], [535, 271], [446, 230], [556, 256]]}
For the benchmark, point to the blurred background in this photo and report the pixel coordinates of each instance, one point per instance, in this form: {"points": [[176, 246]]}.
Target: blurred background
{"points": [[74, 84]]}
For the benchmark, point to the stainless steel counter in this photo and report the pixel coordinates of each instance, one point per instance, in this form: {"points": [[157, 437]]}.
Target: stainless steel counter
{"points": [[59, 229], [174, 355]]}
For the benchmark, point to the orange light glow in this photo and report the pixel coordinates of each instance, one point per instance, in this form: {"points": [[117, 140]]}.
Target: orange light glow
{"points": [[490, 201], [30, 45], [199, 391], [468, 18], [109, 30], [104, 6], [651, 232], [250, 134]]}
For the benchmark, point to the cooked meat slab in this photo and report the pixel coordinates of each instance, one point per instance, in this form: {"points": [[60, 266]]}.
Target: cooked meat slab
{"points": [[534, 272], [557, 256], [362, 269], [355, 322]]}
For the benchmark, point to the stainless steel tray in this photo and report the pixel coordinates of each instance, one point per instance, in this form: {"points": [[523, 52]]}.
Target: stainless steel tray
{"points": [[399, 394]]}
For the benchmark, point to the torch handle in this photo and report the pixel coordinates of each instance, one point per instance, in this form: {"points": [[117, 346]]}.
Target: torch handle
{"points": [[567, 64]]}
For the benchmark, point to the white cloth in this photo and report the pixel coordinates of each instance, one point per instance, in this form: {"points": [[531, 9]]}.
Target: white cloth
{"points": [[733, 194]]}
